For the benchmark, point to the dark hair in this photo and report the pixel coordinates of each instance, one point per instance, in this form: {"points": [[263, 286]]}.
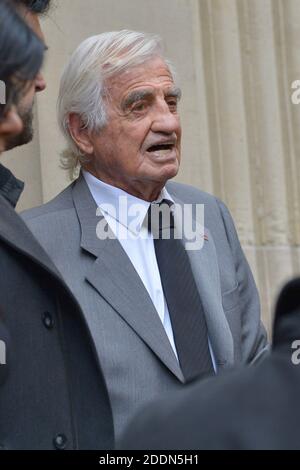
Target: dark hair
{"points": [[21, 54], [36, 6]]}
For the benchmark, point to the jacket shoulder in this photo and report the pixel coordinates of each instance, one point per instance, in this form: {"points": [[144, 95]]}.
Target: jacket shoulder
{"points": [[190, 194], [62, 202], [217, 215]]}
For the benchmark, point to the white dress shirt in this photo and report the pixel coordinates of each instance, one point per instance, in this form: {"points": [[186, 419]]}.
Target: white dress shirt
{"points": [[139, 249], [135, 239]]}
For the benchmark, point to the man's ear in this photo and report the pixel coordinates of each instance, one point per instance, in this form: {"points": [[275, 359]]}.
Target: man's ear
{"points": [[80, 134]]}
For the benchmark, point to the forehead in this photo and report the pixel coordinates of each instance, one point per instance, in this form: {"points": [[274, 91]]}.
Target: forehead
{"points": [[153, 74]]}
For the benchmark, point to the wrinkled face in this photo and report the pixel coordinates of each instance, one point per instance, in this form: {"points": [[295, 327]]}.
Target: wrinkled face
{"points": [[139, 148]]}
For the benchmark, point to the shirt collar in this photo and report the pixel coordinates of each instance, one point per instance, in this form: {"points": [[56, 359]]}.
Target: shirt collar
{"points": [[10, 187], [120, 205]]}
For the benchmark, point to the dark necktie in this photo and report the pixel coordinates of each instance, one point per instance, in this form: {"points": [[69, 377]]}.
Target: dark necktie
{"points": [[181, 294]]}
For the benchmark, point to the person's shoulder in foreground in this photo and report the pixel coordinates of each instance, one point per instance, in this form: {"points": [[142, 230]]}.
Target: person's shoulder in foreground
{"points": [[253, 408]]}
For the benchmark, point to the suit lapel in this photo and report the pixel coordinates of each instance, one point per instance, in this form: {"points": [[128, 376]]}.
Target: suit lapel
{"points": [[204, 265], [15, 233], [114, 277]]}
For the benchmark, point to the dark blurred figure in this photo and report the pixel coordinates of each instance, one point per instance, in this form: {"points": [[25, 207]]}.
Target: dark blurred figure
{"points": [[52, 393], [254, 408], [30, 11]]}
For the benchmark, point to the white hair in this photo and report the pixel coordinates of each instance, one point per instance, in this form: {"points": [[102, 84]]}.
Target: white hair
{"points": [[82, 86]]}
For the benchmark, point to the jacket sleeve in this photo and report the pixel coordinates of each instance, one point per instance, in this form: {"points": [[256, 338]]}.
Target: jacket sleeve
{"points": [[254, 338]]}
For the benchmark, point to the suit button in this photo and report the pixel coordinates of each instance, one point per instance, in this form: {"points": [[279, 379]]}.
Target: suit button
{"points": [[60, 442], [48, 320]]}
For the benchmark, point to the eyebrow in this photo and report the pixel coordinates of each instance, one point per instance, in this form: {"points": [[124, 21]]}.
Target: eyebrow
{"points": [[139, 95], [174, 92]]}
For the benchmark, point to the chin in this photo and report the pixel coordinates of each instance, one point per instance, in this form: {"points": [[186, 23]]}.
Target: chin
{"points": [[169, 171], [26, 135], [19, 140]]}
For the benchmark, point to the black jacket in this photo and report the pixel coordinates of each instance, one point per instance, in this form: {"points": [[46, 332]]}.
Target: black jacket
{"points": [[253, 408], [52, 391]]}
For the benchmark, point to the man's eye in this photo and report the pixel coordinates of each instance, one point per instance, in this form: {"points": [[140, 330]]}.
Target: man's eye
{"points": [[138, 107], [172, 104]]}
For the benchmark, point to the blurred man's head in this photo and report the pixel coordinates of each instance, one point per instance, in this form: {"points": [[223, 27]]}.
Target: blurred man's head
{"points": [[21, 55], [30, 10]]}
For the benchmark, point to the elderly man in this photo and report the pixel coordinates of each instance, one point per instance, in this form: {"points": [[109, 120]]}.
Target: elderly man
{"points": [[160, 314]]}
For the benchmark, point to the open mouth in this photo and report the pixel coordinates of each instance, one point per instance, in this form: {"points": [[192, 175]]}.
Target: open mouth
{"points": [[161, 149]]}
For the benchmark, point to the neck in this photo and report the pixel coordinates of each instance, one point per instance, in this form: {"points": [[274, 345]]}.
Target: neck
{"points": [[146, 191]]}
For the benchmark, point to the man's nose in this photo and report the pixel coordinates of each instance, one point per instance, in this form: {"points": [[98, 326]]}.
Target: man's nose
{"points": [[165, 121], [40, 83]]}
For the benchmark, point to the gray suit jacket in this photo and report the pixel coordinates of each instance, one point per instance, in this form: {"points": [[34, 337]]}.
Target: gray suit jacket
{"points": [[136, 357]]}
